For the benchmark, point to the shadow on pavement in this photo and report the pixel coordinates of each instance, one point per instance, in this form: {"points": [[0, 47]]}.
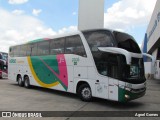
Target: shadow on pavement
{"points": [[50, 91], [119, 105], [97, 101], [3, 79]]}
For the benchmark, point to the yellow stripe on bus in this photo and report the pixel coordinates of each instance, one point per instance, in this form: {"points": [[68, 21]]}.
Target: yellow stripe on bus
{"points": [[36, 77]]}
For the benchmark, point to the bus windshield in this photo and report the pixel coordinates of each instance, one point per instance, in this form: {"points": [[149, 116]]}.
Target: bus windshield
{"points": [[115, 65], [126, 42], [136, 69], [99, 38]]}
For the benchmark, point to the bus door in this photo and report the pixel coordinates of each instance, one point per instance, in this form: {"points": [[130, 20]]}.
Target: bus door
{"points": [[108, 67], [115, 69], [101, 80]]}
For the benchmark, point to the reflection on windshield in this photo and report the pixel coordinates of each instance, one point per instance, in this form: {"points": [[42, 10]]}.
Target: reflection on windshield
{"points": [[136, 68], [134, 71], [126, 42], [99, 38]]}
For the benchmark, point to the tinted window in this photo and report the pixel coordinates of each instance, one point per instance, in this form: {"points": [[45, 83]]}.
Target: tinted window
{"points": [[11, 52], [101, 38], [1, 56], [57, 46], [74, 46], [23, 50], [127, 42], [158, 54], [28, 49], [16, 51], [107, 64], [43, 48], [33, 48]]}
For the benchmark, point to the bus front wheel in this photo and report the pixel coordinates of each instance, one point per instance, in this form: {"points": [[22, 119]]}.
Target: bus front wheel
{"points": [[26, 82], [85, 93]]}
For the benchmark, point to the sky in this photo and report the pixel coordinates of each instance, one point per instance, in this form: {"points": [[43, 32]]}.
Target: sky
{"points": [[25, 20]]}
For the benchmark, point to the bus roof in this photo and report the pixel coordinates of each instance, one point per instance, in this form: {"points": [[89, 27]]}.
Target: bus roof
{"points": [[65, 35]]}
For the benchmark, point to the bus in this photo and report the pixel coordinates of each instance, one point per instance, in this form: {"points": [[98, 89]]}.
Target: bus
{"points": [[3, 65], [98, 63]]}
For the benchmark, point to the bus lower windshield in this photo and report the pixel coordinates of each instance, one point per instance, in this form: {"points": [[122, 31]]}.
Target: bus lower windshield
{"points": [[135, 71]]}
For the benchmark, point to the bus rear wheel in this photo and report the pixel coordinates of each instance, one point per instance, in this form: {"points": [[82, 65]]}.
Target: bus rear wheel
{"points": [[19, 80], [26, 82], [85, 93]]}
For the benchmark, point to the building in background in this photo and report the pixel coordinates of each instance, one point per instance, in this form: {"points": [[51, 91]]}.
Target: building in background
{"points": [[91, 14], [151, 43]]}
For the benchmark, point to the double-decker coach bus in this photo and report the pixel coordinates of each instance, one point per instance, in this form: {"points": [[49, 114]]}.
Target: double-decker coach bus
{"points": [[92, 63], [3, 65]]}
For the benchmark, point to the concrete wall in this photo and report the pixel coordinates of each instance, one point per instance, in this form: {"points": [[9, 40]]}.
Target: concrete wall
{"points": [[91, 14], [155, 53], [149, 73], [148, 67], [153, 31], [157, 70]]}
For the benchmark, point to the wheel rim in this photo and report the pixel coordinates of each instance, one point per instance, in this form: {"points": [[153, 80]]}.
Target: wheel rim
{"points": [[26, 83], [86, 93], [19, 81]]}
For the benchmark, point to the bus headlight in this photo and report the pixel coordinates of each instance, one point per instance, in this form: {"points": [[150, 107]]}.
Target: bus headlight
{"points": [[127, 96]]}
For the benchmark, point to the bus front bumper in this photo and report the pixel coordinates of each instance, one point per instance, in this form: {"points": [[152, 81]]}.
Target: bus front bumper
{"points": [[127, 95]]}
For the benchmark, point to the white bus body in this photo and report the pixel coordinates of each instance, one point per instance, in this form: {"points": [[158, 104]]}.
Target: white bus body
{"points": [[90, 63]]}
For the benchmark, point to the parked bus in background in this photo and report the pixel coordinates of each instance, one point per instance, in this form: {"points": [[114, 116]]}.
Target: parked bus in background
{"points": [[3, 65], [92, 63]]}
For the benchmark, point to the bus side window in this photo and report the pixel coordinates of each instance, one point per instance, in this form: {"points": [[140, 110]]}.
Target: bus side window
{"points": [[33, 49], [107, 64], [43, 48], [11, 51], [23, 51], [16, 51], [28, 50], [74, 45], [57, 46]]}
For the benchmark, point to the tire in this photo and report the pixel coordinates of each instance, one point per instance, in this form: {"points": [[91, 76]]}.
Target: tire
{"points": [[26, 82], [85, 93], [20, 82]]}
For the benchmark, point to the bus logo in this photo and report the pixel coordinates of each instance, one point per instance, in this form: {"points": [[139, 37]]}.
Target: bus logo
{"points": [[75, 60], [12, 61]]}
